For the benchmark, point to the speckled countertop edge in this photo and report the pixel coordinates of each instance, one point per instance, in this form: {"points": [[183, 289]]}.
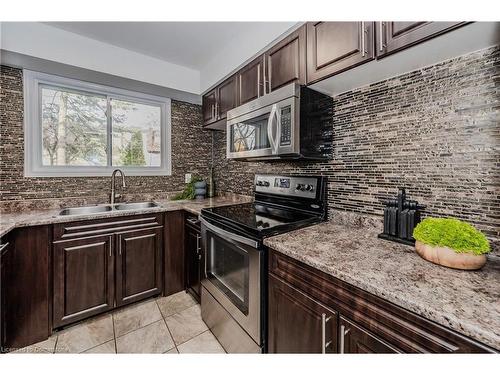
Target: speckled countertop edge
{"points": [[473, 312], [11, 221]]}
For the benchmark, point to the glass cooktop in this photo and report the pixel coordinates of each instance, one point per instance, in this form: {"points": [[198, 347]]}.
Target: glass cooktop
{"points": [[259, 217]]}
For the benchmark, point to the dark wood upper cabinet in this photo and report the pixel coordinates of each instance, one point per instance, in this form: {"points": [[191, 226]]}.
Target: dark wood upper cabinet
{"points": [[209, 101], [286, 61], [227, 97], [297, 323], [193, 256], [333, 47], [354, 339], [395, 36], [138, 265], [83, 278], [217, 102], [251, 81]]}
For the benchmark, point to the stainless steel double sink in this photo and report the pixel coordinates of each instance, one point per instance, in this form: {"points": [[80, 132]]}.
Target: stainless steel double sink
{"points": [[88, 210]]}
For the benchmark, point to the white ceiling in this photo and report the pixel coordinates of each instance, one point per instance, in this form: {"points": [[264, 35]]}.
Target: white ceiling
{"points": [[190, 44]]}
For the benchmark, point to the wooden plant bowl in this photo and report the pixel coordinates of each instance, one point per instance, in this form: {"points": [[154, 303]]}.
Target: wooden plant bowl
{"points": [[445, 256]]}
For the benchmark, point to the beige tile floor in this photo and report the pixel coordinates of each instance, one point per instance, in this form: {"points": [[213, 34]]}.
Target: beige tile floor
{"points": [[170, 324]]}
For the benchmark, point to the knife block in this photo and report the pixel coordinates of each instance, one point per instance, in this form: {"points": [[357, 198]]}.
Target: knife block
{"points": [[400, 218]]}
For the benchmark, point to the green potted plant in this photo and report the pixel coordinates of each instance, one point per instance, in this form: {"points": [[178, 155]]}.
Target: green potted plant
{"points": [[451, 243], [189, 190]]}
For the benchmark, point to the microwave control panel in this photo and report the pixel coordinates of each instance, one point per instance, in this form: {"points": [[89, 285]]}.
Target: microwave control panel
{"points": [[286, 126]]}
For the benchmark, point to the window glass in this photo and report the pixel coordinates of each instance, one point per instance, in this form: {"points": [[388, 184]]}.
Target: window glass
{"points": [[74, 128], [136, 134]]}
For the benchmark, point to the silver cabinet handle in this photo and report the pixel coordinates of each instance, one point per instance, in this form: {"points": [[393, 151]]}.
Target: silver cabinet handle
{"points": [[264, 71], [120, 246], [343, 333], [381, 26], [193, 221], [198, 244], [363, 32], [205, 265], [3, 246], [324, 344], [258, 81], [216, 110], [110, 246]]}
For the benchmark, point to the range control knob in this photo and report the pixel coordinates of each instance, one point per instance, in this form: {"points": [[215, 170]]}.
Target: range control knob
{"points": [[300, 187], [309, 187], [266, 183]]}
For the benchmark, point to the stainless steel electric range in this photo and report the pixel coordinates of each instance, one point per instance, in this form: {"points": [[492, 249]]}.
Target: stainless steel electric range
{"points": [[234, 284]]}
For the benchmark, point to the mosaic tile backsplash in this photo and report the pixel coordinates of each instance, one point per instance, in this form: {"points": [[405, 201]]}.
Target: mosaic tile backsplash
{"points": [[191, 153], [434, 131]]}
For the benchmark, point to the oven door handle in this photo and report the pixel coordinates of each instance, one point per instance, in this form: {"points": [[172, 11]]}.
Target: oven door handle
{"points": [[225, 234]]}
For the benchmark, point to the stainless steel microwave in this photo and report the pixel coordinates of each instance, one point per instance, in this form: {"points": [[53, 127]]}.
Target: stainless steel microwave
{"points": [[293, 122]]}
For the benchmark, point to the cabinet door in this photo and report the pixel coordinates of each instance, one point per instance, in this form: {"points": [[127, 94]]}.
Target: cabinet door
{"points": [[286, 61], [174, 262], [5, 251], [138, 265], [354, 339], [395, 36], [193, 261], [333, 47], [83, 278], [227, 97], [208, 107], [297, 323], [251, 81]]}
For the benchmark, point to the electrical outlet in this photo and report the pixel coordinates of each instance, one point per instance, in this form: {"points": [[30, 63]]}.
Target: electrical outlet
{"points": [[187, 178]]}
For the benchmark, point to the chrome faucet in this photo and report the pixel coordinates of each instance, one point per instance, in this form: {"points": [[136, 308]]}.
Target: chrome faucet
{"points": [[113, 196]]}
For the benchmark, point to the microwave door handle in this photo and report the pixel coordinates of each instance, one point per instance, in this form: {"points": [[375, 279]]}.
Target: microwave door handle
{"points": [[228, 235], [278, 131], [270, 129]]}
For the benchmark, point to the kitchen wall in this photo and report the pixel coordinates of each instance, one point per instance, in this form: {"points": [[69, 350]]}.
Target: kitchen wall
{"points": [[191, 152], [434, 131]]}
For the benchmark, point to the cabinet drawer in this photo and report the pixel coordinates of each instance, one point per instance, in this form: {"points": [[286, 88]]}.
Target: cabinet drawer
{"points": [[398, 327], [94, 227]]}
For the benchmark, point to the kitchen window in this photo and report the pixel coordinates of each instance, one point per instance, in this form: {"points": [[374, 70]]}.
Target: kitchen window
{"points": [[76, 128]]}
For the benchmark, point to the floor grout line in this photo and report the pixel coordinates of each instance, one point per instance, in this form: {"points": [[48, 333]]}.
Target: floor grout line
{"points": [[114, 332], [168, 329]]}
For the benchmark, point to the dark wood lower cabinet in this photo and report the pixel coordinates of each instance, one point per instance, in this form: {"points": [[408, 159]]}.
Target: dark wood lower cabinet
{"points": [[5, 252], [25, 288], [138, 265], [174, 261], [83, 278], [354, 339], [300, 294], [194, 259], [95, 273], [297, 323]]}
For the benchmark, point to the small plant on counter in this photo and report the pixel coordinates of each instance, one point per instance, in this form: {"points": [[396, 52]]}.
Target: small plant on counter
{"points": [[452, 233], [451, 242], [188, 192]]}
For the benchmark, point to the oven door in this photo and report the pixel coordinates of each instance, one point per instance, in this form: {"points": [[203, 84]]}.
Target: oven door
{"points": [[268, 131], [233, 275]]}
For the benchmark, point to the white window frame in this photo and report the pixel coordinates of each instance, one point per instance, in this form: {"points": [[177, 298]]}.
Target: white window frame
{"points": [[33, 162]]}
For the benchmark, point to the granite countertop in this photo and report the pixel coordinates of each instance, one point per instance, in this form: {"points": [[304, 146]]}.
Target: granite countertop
{"points": [[465, 301], [10, 221]]}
